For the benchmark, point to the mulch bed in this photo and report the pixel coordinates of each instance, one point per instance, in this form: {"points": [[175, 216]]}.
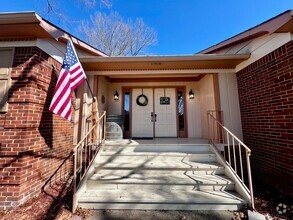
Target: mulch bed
{"points": [[267, 199], [36, 208]]}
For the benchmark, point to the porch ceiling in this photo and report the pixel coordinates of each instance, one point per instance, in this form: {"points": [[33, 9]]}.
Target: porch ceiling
{"points": [[200, 61]]}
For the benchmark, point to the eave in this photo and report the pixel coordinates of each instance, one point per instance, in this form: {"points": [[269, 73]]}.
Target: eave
{"points": [[147, 63], [21, 26], [282, 23]]}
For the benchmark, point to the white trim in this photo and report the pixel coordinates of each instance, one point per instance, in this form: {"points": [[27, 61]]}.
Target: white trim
{"points": [[32, 43], [158, 72], [165, 58], [263, 46], [53, 48]]}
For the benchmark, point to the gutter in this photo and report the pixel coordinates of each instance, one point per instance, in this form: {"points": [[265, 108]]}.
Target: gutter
{"points": [[197, 57], [19, 17]]}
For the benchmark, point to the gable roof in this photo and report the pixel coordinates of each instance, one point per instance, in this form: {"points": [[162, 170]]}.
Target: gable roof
{"points": [[282, 23], [30, 26]]}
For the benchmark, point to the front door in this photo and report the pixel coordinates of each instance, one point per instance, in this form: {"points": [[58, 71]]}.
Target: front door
{"points": [[142, 123], [165, 110], [154, 112]]}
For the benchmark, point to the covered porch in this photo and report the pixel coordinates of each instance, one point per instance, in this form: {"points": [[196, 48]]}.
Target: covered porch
{"points": [[165, 96], [165, 157]]}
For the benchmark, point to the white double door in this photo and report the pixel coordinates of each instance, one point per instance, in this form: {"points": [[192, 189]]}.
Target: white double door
{"points": [[158, 117]]}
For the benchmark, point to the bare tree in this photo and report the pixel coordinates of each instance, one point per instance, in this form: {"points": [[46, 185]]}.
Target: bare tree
{"points": [[52, 4], [116, 37]]}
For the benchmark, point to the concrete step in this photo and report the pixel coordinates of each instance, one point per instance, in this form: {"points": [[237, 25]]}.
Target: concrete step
{"points": [[114, 135], [161, 200], [160, 179], [161, 156], [184, 165], [157, 148], [203, 157], [160, 176]]}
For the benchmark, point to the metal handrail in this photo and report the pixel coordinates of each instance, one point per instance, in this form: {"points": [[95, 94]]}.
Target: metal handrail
{"points": [[222, 137], [85, 152], [62, 174]]}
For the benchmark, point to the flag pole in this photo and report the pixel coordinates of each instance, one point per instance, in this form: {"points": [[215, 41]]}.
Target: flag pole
{"points": [[94, 136], [86, 79], [88, 84]]}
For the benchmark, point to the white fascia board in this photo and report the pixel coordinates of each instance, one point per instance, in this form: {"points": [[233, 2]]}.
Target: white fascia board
{"points": [[50, 46], [159, 72], [32, 43], [56, 49], [53, 48]]}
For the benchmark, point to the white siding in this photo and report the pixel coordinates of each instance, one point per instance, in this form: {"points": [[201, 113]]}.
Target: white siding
{"points": [[258, 47], [102, 91], [207, 101], [263, 46], [56, 49], [229, 102]]}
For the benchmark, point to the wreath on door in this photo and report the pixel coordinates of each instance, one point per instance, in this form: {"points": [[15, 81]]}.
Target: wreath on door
{"points": [[142, 100]]}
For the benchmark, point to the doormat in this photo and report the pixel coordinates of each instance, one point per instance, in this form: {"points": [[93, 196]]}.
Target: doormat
{"points": [[142, 138]]}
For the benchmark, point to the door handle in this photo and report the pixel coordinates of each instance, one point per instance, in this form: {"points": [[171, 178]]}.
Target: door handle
{"points": [[152, 116], [155, 117]]}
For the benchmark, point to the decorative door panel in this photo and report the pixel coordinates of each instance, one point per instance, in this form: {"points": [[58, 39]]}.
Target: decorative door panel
{"points": [[165, 110], [142, 108]]}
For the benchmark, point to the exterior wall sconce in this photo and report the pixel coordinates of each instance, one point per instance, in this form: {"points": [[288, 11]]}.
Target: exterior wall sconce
{"points": [[116, 96], [191, 94]]}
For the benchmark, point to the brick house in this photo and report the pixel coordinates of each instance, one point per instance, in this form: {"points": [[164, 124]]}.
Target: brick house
{"points": [[33, 142], [247, 77]]}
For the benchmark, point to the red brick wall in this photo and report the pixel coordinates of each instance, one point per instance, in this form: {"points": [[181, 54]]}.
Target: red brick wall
{"points": [[266, 104], [33, 141]]}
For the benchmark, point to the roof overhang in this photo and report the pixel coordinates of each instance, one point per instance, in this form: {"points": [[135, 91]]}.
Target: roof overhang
{"points": [[160, 68], [203, 61], [282, 23], [18, 26]]}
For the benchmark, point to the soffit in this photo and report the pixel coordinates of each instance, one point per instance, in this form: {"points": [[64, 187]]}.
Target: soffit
{"points": [[162, 62], [29, 25], [22, 31]]}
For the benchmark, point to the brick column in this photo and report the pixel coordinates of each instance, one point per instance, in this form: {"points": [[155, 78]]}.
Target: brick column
{"points": [[33, 140]]}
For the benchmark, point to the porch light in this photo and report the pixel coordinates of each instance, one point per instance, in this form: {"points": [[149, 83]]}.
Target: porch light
{"points": [[191, 94], [116, 96]]}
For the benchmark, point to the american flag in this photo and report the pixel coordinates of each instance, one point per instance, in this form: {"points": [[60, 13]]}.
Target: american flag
{"points": [[70, 77]]}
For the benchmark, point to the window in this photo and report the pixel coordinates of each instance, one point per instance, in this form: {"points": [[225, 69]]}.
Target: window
{"points": [[5, 65], [181, 117], [126, 110], [181, 111]]}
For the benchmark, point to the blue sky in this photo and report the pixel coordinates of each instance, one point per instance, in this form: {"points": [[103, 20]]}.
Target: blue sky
{"points": [[183, 26]]}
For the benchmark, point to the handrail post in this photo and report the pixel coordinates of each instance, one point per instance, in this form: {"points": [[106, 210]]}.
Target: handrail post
{"points": [[74, 180], [209, 132], [249, 178], [104, 133]]}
